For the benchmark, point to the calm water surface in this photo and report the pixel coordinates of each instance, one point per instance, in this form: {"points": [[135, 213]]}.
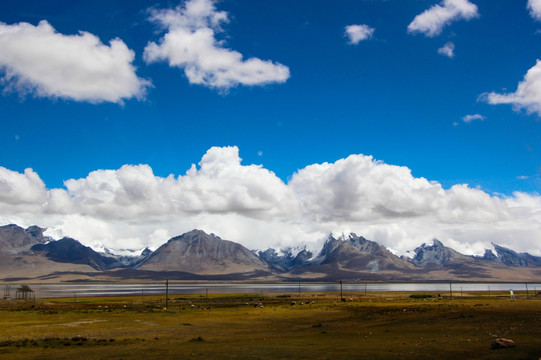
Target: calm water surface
{"points": [[177, 288]]}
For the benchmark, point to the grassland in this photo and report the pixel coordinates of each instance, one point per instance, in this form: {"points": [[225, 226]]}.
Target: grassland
{"points": [[316, 326]]}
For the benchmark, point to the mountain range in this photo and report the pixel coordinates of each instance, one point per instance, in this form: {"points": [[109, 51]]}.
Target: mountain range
{"points": [[26, 254]]}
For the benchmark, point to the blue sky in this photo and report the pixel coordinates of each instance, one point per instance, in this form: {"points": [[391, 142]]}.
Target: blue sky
{"points": [[392, 95]]}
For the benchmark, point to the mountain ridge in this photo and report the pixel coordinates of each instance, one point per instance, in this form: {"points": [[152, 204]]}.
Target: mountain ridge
{"points": [[201, 254]]}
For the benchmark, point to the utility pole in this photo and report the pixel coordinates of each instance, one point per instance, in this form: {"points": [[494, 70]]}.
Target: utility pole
{"points": [[7, 294], [166, 293], [341, 296], [451, 290]]}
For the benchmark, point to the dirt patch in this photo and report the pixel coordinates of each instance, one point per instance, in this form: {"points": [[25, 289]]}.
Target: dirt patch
{"points": [[79, 323]]}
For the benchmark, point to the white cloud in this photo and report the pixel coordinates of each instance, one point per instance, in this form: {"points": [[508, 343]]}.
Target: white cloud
{"points": [[469, 118], [190, 43], [41, 61], [447, 50], [133, 208], [220, 185], [358, 33], [21, 192], [527, 96], [360, 189], [431, 21], [535, 9]]}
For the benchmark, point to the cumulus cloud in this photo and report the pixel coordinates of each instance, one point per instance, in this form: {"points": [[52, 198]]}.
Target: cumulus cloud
{"points": [[131, 207], [43, 62], [432, 21], [358, 33], [21, 190], [527, 96], [219, 185], [535, 9], [447, 50], [190, 43], [360, 189]]}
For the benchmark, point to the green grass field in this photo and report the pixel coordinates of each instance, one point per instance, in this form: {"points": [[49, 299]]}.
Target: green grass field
{"points": [[317, 326]]}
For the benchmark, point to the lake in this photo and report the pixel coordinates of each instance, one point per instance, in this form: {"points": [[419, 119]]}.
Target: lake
{"points": [[178, 288]]}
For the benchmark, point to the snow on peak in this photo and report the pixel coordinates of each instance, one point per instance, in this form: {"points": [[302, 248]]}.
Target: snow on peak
{"points": [[340, 235], [55, 233], [124, 252]]}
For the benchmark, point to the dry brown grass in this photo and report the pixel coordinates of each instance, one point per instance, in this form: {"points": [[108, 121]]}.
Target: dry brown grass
{"points": [[390, 326]]}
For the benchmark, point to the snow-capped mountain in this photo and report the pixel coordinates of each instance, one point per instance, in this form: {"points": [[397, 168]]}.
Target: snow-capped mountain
{"points": [[512, 258], [27, 253]]}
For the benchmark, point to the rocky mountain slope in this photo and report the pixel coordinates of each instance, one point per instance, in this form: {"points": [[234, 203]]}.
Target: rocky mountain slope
{"points": [[285, 260], [15, 239], [69, 250], [512, 258], [354, 257], [438, 255], [201, 253], [356, 252]]}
